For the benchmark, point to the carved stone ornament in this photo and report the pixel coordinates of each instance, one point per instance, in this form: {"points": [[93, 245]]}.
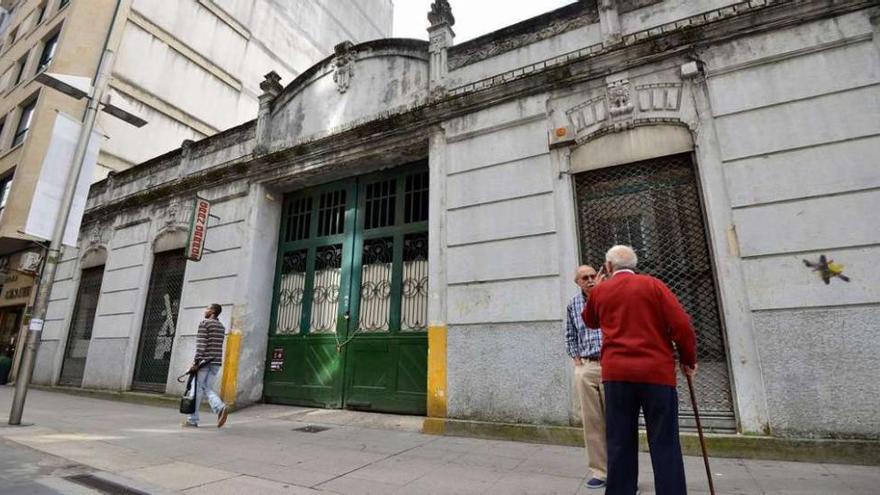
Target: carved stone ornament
{"points": [[344, 66], [441, 13], [619, 100], [97, 234], [171, 213]]}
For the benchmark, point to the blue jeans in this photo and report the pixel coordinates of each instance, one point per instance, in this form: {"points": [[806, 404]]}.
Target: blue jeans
{"points": [[205, 386], [660, 405]]}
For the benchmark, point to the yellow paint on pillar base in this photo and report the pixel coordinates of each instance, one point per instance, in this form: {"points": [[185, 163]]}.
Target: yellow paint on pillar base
{"points": [[437, 371], [230, 367]]}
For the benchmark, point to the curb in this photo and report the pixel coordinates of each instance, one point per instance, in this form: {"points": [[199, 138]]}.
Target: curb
{"points": [[140, 398], [862, 452]]}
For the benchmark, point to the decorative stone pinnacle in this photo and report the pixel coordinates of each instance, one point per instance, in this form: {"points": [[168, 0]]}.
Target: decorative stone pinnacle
{"points": [[271, 84], [441, 13]]}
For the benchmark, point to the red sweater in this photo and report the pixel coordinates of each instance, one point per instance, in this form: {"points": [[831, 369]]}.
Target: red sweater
{"points": [[640, 318]]}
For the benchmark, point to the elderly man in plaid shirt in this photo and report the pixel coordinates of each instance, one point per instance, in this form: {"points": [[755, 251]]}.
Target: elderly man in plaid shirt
{"points": [[583, 346]]}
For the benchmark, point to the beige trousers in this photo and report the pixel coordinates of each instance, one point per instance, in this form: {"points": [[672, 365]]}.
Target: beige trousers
{"points": [[588, 380]]}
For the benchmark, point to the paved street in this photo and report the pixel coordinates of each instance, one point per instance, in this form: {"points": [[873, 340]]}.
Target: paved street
{"points": [[260, 451]]}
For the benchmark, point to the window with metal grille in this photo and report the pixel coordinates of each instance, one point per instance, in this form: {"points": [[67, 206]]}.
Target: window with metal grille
{"points": [[160, 321], [80, 334], [299, 219], [655, 207], [377, 263], [331, 213], [380, 204], [416, 198], [291, 290]]}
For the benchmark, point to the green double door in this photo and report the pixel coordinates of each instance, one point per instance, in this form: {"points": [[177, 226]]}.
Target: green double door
{"points": [[350, 306]]}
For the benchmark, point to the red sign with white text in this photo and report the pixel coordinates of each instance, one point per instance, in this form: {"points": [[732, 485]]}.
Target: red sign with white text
{"points": [[198, 230]]}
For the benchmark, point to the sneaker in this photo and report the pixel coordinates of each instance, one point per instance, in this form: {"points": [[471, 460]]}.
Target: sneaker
{"points": [[595, 483], [221, 417], [187, 424]]}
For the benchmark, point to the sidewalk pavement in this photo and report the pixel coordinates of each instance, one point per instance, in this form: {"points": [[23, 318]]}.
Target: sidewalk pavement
{"points": [[260, 451]]}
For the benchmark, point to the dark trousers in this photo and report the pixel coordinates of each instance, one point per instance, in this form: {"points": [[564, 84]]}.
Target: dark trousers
{"points": [[660, 406]]}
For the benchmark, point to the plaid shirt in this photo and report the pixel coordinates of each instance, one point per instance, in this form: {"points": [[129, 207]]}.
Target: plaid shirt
{"points": [[580, 341]]}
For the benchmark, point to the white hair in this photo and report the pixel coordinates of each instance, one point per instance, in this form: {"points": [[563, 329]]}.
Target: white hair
{"points": [[622, 257]]}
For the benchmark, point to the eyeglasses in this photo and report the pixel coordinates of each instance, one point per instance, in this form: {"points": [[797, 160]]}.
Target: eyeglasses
{"points": [[588, 277]]}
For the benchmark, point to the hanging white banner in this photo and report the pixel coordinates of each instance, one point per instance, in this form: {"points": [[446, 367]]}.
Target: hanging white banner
{"points": [[46, 202]]}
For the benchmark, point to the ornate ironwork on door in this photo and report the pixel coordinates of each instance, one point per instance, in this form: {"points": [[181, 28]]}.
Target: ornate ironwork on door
{"points": [[654, 206], [350, 309], [80, 333], [160, 321]]}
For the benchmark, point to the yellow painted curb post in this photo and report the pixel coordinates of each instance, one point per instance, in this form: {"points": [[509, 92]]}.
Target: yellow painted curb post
{"points": [[436, 380], [230, 367]]}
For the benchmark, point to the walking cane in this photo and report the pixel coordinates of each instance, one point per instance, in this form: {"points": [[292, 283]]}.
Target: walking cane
{"points": [[700, 432]]}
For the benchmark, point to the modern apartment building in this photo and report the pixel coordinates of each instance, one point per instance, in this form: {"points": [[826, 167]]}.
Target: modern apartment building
{"points": [[189, 67]]}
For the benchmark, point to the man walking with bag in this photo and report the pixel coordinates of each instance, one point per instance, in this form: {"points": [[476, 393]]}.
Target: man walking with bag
{"points": [[206, 365], [583, 345], [640, 320]]}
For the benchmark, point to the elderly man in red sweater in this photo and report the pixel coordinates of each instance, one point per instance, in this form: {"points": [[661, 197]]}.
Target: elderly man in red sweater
{"points": [[640, 320]]}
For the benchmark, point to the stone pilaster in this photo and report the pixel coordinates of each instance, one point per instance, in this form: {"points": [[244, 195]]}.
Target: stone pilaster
{"points": [[271, 87]]}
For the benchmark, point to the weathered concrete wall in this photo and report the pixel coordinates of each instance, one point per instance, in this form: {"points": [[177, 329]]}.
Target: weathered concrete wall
{"points": [[798, 119], [361, 84], [505, 329]]}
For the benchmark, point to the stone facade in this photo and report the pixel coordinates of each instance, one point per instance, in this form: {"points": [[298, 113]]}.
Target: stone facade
{"points": [[777, 102]]}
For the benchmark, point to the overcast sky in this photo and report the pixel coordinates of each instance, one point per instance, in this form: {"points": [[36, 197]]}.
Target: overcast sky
{"points": [[472, 17]]}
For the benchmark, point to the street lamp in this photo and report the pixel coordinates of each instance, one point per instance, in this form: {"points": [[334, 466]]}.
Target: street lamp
{"points": [[77, 87]]}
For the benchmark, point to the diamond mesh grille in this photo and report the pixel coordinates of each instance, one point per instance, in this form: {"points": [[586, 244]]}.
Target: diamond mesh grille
{"points": [[654, 206], [160, 321]]}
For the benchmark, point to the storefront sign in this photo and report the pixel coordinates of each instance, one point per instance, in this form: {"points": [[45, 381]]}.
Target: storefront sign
{"points": [[17, 293], [198, 229], [277, 362]]}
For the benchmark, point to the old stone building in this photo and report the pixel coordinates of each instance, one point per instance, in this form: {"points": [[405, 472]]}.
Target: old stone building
{"points": [[397, 229]]}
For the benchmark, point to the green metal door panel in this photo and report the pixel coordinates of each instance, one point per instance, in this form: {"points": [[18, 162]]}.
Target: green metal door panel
{"points": [[412, 366], [310, 375], [311, 298], [369, 371], [350, 301], [388, 373]]}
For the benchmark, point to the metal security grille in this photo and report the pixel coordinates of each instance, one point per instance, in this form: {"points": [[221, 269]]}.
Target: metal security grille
{"points": [[81, 327], [654, 206], [160, 321]]}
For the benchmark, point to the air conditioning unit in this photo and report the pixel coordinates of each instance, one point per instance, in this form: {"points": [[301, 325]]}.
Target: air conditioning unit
{"points": [[30, 262]]}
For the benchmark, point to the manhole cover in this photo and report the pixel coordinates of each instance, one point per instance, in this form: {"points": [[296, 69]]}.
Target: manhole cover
{"points": [[311, 429]]}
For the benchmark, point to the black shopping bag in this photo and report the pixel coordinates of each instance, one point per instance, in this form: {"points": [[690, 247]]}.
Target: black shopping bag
{"points": [[188, 400]]}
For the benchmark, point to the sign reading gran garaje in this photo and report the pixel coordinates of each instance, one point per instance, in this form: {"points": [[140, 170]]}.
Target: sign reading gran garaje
{"points": [[198, 229]]}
